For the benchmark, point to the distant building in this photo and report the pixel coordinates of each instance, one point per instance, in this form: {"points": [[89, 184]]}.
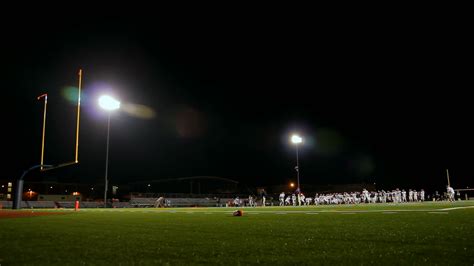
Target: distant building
{"points": [[6, 190]]}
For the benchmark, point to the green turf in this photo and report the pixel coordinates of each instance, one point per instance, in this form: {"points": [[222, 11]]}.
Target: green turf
{"points": [[410, 234]]}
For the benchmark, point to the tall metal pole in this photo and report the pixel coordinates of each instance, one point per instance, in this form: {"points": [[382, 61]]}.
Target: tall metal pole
{"points": [[298, 175], [17, 197], [107, 162], [78, 115], [297, 168], [44, 127], [447, 174]]}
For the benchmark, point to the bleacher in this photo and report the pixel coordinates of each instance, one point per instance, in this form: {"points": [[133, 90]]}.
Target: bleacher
{"points": [[142, 202], [5, 204], [62, 204], [121, 204], [91, 204], [179, 202], [35, 204]]}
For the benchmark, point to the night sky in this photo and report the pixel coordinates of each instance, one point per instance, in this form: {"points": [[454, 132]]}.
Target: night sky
{"points": [[375, 101]]}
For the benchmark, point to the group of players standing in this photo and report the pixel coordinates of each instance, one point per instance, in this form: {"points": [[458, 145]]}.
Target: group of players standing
{"points": [[382, 196], [395, 196]]}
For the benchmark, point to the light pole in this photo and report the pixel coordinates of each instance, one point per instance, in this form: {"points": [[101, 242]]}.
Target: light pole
{"points": [[297, 140], [109, 104]]}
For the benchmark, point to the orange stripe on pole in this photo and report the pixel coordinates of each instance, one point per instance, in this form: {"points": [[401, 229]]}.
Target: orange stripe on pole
{"points": [[44, 127], [78, 115]]}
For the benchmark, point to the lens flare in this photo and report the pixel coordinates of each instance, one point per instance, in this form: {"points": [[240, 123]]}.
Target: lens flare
{"points": [[190, 123], [70, 94], [138, 110]]}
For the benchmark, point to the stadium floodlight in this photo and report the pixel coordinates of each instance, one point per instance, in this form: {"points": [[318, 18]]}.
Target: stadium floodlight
{"points": [[297, 140], [109, 104]]}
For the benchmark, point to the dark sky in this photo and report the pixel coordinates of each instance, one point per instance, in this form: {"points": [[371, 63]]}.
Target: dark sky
{"points": [[385, 101]]}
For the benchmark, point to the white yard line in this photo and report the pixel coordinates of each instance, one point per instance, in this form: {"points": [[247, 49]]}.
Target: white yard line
{"points": [[261, 211], [456, 208], [309, 212]]}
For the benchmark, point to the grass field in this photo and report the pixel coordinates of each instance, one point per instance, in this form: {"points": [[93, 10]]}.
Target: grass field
{"points": [[410, 234]]}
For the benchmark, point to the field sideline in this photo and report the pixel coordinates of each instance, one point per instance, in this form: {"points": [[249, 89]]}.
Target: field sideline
{"points": [[431, 233]]}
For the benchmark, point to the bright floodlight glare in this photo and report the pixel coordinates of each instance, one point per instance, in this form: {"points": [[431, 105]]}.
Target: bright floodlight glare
{"points": [[296, 139], [108, 103]]}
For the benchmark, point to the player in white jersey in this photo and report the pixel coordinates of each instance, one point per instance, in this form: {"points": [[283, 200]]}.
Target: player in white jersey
{"points": [[302, 199], [159, 202], [251, 201], [282, 199], [404, 196], [316, 199], [365, 195], [288, 200], [450, 191], [422, 195], [374, 197], [398, 195], [389, 196], [237, 202], [410, 195], [415, 196], [384, 196], [293, 199]]}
